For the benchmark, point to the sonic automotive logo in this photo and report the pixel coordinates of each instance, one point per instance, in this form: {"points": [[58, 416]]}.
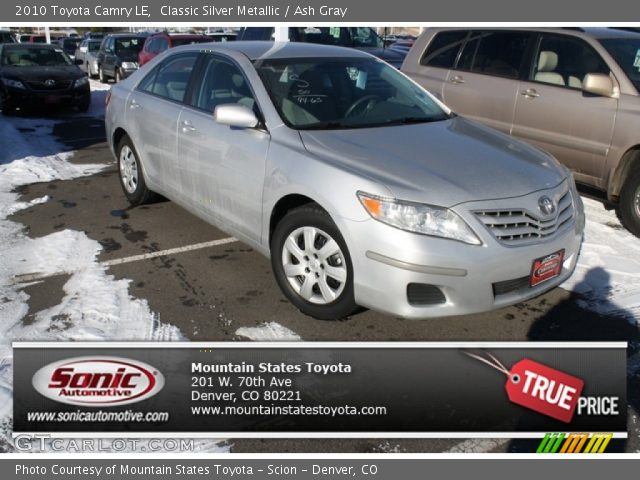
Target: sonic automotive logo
{"points": [[98, 381]]}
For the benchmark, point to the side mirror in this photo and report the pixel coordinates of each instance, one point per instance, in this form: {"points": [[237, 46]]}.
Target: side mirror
{"points": [[598, 84], [78, 61], [235, 115]]}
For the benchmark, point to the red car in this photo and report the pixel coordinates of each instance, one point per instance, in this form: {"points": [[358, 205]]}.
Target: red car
{"points": [[160, 42]]}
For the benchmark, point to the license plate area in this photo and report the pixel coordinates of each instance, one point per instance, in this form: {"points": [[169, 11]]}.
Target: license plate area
{"points": [[545, 268]]}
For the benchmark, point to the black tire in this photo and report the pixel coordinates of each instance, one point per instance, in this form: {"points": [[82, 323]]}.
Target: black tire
{"points": [[84, 105], [7, 107], [101, 76], [140, 194], [305, 217], [629, 206]]}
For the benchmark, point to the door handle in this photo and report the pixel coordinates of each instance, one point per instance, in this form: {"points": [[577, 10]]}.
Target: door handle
{"points": [[530, 93], [457, 80], [187, 126], [134, 104]]}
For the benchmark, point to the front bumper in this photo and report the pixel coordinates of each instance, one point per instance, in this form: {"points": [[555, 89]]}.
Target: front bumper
{"points": [[470, 279], [126, 72], [43, 98]]}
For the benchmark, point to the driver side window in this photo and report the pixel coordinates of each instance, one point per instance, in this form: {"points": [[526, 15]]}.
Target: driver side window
{"points": [[565, 61], [222, 83]]}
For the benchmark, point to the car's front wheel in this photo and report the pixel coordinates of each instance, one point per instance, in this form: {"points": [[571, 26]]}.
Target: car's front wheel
{"points": [[131, 176], [6, 105], [312, 264], [629, 207]]}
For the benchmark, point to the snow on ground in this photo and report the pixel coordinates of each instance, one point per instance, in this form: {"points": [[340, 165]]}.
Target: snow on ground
{"points": [[95, 306], [608, 273], [268, 332]]}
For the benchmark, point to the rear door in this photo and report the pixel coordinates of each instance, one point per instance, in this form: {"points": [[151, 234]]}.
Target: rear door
{"points": [[554, 113], [484, 83], [222, 168], [155, 108], [431, 68]]}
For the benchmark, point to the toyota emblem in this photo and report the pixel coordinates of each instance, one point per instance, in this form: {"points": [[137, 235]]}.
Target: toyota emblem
{"points": [[546, 205], [49, 83]]}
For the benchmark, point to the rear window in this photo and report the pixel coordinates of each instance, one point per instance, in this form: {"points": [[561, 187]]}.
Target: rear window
{"points": [[443, 49], [495, 53]]}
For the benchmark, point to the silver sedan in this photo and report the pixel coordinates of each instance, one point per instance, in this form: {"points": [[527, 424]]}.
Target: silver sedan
{"points": [[363, 189]]}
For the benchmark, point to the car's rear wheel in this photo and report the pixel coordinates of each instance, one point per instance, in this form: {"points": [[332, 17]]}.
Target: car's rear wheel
{"points": [[312, 264], [131, 176], [629, 207]]}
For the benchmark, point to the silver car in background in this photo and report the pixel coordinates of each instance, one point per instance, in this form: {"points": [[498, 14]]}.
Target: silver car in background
{"points": [[362, 188], [87, 52]]}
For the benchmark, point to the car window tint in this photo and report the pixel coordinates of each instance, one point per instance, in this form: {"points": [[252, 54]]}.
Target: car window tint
{"points": [[163, 44], [222, 83], [564, 61], [443, 49], [495, 53], [172, 78]]}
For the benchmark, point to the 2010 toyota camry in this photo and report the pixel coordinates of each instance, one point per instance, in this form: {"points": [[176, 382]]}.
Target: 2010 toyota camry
{"points": [[362, 188]]}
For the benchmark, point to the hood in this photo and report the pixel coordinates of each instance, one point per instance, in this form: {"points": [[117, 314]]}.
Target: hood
{"points": [[40, 74], [442, 163]]}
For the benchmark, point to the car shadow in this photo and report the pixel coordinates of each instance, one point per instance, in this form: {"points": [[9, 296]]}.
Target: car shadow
{"points": [[570, 321]]}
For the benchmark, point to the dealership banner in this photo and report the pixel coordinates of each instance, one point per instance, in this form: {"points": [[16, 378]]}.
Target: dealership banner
{"points": [[331, 11], [317, 389]]}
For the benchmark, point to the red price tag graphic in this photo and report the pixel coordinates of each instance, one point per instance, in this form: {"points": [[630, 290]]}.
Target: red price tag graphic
{"points": [[536, 386], [544, 389]]}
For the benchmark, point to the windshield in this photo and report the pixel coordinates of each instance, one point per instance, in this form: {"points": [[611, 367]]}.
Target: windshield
{"points": [[128, 48], [94, 46], [333, 93], [354, 37], [626, 51], [31, 57]]}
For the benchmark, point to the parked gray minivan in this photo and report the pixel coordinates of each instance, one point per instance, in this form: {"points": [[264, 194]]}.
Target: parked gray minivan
{"points": [[572, 92]]}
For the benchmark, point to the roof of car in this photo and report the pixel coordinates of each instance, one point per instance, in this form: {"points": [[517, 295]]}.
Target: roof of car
{"points": [[127, 34], [610, 33], [22, 46], [264, 49]]}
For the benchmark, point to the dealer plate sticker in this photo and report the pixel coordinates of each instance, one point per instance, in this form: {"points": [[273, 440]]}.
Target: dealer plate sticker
{"points": [[546, 268]]}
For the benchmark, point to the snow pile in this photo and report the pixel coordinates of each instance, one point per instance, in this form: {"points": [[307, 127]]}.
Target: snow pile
{"points": [[95, 305], [268, 332], [608, 272]]}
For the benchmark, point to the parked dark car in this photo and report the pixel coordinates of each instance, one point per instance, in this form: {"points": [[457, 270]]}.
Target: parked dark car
{"points": [[36, 75], [6, 37], [69, 45], [360, 38], [159, 42], [118, 55]]}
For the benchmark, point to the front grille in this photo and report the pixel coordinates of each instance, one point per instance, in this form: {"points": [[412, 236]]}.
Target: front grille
{"points": [[58, 85], [521, 227], [421, 294], [508, 286]]}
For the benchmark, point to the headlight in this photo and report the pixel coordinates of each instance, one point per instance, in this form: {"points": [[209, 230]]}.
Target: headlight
{"points": [[13, 83], [129, 65], [81, 82], [419, 218]]}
